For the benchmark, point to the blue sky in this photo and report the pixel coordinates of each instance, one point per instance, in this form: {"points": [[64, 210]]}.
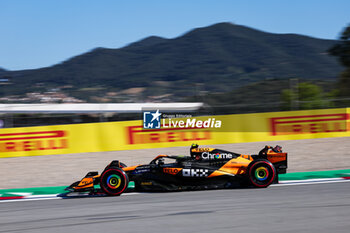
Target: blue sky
{"points": [[39, 33]]}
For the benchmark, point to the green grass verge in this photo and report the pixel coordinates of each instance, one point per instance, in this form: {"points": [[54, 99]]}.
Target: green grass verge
{"points": [[315, 175]]}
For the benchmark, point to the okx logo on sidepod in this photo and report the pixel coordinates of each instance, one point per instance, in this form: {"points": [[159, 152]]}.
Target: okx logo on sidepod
{"points": [[151, 120]]}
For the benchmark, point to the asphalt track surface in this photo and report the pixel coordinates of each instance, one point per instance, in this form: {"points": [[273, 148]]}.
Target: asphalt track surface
{"points": [[301, 208]]}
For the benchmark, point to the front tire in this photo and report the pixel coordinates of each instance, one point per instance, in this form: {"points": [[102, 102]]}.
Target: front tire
{"points": [[114, 181], [261, 173]]}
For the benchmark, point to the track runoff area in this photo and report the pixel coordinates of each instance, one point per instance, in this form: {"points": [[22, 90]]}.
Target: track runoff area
{"points": [[321, 207]]}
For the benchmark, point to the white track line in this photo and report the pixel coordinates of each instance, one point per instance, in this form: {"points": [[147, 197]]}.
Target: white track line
{"points": [[32, 198], [311, 181], [50, 197]]}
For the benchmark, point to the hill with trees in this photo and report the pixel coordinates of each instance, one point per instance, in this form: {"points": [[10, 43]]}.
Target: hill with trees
{"points": [[217, 59]]}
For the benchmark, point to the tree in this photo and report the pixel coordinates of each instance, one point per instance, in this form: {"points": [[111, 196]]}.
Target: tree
{"points": [[342, 51], [308, 96]]}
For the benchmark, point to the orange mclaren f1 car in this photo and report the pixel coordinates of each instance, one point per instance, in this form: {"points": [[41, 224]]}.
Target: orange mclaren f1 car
{"points": [[205, 168]]}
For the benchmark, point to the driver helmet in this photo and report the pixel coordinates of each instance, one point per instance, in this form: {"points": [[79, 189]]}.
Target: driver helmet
{"points": [[161, 161], [194, 145]]}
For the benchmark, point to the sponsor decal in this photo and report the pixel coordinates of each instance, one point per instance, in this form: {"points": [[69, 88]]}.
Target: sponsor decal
{"points": [[84, 183], [202, 149], [142, 170], [207, 155], [32, 141], [136, 135], [146, 183], [309, 124], [217, 163], [194, 172], [172, 171], [276, 156], [187, 164]]}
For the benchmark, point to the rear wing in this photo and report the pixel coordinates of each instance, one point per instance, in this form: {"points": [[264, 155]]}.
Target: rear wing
{"points": [[278, 159]]}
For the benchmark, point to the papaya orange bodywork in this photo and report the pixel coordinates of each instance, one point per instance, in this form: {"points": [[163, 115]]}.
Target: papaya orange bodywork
{"points": [[86, 182], [236, 166], [224, 167], [127, 169]]}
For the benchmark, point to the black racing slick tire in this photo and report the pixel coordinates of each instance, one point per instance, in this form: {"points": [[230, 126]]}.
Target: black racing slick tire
{"points": [[261, 173], [114, 181]]}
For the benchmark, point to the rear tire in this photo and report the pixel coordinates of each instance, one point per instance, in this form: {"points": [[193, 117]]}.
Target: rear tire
{"points": [[114, 181], [261, 173]]}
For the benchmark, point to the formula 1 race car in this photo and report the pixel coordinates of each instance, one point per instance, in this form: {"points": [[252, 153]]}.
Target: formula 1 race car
{"points": [[205, 168]]}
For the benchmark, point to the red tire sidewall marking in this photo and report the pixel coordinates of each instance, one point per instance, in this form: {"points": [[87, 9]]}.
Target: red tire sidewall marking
{"points": [[110, 193], [259, 185]]}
